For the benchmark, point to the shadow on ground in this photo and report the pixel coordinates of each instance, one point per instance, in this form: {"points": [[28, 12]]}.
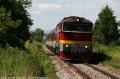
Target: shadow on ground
{"points": [[97, 57]]}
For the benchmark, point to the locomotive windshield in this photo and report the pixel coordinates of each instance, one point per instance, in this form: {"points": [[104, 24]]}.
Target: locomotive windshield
{"points": [[77, 27]]}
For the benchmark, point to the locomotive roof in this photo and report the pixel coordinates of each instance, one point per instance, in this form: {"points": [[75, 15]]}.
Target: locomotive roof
{"points": [[73, 19], [76, 19]]}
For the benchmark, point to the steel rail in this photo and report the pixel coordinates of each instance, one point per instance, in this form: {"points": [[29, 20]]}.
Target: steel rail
{"points": [[80, 72], [103, 72]]}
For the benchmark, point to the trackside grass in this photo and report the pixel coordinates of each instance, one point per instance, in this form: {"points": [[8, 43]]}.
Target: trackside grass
{"points": [[30, 63], [111, 52]]}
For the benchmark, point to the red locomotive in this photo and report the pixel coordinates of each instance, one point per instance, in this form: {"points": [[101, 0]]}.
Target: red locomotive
{"points": [[71, 39]]}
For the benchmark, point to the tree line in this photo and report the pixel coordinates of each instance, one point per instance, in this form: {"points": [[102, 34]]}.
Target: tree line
{"points": [[15, 22], [37, 35], [105, 29]]}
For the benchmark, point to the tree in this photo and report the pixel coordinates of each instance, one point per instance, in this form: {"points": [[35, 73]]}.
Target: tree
{"points": [[107, 26], [119, 25], [7, 25], [97, 34], [17, 13], [37, 34]]}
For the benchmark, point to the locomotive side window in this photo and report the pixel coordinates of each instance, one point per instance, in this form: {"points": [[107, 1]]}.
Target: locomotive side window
{"points": [[77, 27]]}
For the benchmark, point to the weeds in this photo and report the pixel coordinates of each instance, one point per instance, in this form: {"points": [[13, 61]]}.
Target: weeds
{"points": [[109, 51], [30, 63]]}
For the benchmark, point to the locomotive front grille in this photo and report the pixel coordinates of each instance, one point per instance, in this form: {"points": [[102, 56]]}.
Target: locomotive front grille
{"points": [[76, 49]]}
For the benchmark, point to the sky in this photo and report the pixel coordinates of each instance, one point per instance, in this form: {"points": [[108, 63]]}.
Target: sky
{"points": [[46, 14]]}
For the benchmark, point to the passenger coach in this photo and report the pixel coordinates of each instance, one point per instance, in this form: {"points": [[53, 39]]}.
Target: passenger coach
{"points": [[71, 39]]}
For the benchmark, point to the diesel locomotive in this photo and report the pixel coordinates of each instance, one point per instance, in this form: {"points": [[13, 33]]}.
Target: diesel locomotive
{"points": [[71, 39]]}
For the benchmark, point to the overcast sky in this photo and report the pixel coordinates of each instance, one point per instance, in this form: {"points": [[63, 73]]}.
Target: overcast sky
{"points": [[47, 13]]}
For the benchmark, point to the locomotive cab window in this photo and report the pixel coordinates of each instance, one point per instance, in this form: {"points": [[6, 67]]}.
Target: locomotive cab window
{"points": [[77, 27]]}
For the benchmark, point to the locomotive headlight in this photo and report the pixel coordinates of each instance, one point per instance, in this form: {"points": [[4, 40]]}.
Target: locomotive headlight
{"points": [[86, 46], [66, 45]]}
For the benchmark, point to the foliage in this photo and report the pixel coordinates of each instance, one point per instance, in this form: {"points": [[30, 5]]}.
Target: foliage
{"points": [[119, 40], [119, 32], [48, 67], [37, 34], [14, 22], [119, 23], [26, 3], [97, 35], [30, 63], [7, 27], [110, 51], [27, 44], [10, 67], [105, 29]]}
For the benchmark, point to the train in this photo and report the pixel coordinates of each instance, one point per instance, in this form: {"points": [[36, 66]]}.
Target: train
{"points": [[71, 39]]}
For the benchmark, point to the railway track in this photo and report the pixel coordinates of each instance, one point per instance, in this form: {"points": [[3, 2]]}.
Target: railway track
{"points": [[80, 72], [103, 72], [92, 72], [83, 71]]}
